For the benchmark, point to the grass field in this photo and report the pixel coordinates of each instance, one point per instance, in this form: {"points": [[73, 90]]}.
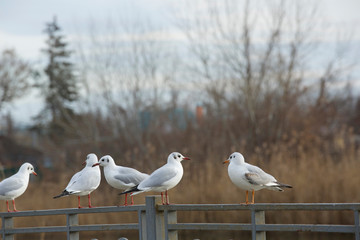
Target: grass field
{"points": [[317, 175]]}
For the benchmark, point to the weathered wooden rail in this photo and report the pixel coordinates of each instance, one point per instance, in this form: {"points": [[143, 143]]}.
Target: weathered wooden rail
{"points": [[159, 222]]}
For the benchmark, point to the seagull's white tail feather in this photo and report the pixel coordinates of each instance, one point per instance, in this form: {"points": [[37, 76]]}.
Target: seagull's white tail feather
{"points": [[274, 188], [277, 186], [135, 193]]}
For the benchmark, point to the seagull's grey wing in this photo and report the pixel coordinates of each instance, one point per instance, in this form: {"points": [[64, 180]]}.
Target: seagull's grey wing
{"points": [[159, 177], [74, 181], [257, 176], [130, 175], [10, 184]]}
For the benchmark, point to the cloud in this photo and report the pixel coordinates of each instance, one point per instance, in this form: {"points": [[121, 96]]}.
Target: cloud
{"points": [[27, 46]]}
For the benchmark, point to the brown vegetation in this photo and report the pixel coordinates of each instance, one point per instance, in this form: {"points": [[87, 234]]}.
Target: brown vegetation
{"points": [[258, 99], [327, 173]]}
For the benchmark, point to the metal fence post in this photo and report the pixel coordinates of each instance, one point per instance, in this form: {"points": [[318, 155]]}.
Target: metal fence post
{"points": [[154, 219], [142, 225], [72, 220], [170, 218], [7, 223], [257, 217], [356, 223]]}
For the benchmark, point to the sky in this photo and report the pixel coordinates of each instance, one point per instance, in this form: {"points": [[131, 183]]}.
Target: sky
{"points": [[22, 24]]}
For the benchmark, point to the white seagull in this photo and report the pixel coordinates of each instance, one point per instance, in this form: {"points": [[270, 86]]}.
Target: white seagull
{"points": [[119, 177], [164, 178], [12, 187], [250, 177], [85, 181]]}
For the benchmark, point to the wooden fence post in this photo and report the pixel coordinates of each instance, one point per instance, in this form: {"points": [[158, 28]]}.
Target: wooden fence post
{"points": [[154, 219], [72, 220]]}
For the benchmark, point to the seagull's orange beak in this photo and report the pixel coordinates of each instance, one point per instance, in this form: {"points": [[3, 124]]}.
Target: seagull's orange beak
{"points": [[186, 158], [34, 173], [96, 164], [226, 161]]}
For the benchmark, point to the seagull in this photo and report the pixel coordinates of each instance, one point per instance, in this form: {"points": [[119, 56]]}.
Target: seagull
{"points": [[85, 181], [119, 177], [163, 178], [12, 187], [250, 177]]}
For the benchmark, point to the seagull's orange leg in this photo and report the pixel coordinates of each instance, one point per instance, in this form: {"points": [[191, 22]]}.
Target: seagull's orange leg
{"points": [[167, 198], [79, 202], [7, 205], [89, 200], [132, 199], [125, 204], [246, 198], [253, 197], [15, 210]]}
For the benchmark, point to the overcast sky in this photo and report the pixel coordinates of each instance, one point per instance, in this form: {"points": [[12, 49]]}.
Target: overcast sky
{"points": [[22, 24]]}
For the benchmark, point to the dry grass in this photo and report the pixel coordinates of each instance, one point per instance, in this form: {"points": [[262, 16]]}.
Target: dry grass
{"points": [[318, 174]]}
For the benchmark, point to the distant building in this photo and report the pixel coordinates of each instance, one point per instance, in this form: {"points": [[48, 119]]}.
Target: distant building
{"points": [[178, 118]]}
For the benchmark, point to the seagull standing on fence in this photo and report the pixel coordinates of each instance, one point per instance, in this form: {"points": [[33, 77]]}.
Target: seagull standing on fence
{"points": [[163, 178], [14, 186], [119, 177], [250, 177], [85, 181]]}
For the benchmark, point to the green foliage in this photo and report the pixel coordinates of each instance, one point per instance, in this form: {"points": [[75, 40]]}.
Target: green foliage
{"points": [[62, 88]]}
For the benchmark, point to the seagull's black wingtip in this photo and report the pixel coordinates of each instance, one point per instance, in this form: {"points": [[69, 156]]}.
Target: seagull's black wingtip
{"points": [[64, 193], [133, 189]]}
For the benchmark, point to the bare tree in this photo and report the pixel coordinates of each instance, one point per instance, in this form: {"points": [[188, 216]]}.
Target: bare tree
{"points": [[129, 69], [14, 77], [253, 61]]}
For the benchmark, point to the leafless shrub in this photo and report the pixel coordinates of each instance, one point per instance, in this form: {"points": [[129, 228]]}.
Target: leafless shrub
{"points": [[14, 76]]}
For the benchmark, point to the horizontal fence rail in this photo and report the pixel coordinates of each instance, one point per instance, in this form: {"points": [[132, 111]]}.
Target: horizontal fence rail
{"points": [[156, 221], [257, 226], [72, 227]]}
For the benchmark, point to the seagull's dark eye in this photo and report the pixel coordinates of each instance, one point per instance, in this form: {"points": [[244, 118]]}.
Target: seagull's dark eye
{"points": [[102, 160], [178, 156]]}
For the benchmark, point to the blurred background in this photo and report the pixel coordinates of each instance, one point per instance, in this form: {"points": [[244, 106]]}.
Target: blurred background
{"points": [[277, 81]]}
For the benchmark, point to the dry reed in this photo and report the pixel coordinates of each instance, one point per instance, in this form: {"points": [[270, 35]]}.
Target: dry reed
{"points": [[326, 174]]}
